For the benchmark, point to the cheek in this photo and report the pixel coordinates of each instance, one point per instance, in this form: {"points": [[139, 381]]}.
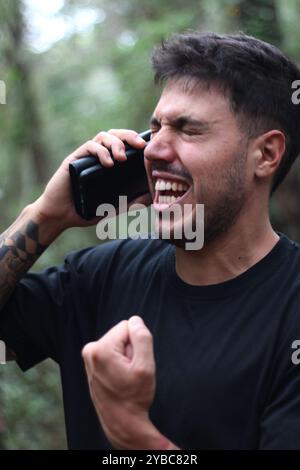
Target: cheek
{"points": [[208, 182], [209, 165], [199, 159]]}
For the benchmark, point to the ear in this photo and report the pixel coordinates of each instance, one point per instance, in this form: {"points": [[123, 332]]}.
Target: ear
{"points": [[269, 150]]}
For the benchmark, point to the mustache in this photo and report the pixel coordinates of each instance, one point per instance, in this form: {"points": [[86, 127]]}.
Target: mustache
{"points": [[170, 168]]}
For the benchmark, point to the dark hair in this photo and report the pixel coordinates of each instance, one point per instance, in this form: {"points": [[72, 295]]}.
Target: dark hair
{"points": [[257, 76]]}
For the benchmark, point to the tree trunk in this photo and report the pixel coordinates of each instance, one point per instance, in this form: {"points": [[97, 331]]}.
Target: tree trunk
{"points": [[30, 125]]}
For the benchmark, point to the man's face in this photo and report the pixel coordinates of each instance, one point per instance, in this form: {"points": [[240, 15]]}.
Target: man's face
{"points": [[197, 145]]}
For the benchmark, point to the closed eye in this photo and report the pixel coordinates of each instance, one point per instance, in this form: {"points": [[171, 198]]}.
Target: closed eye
{"points": [[192, 131], [154, 131]]}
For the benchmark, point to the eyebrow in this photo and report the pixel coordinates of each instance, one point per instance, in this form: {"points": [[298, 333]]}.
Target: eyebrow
{"points": [[182, 121]]}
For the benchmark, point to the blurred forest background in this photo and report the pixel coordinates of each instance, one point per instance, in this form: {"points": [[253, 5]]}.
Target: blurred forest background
{"points": [[75, 67]]}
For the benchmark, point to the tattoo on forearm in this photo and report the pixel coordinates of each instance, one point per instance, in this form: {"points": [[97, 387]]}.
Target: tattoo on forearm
{"points": [[19, 249]]}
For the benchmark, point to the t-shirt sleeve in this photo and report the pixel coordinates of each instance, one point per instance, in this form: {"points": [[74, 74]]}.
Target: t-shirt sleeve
{"points": [[33, 321], [280, 423]]}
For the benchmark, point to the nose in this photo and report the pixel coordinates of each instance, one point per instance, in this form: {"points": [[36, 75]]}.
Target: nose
{"points": [[160, 147]]}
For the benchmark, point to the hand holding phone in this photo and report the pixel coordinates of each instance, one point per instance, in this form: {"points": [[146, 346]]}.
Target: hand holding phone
{"points": [[93, 184]]}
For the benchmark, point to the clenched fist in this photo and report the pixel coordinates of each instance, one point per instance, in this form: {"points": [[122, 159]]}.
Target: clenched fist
{"points": [[121, 374]]}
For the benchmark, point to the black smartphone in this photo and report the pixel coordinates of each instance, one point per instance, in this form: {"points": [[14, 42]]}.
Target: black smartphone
{"points": [[93, 184]]}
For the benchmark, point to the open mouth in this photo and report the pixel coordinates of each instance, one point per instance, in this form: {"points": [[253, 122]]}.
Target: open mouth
{"points": [[168, 192]]}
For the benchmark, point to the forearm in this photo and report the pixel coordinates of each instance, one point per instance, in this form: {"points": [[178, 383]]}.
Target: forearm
{"points": [[21, 245], [154, 440], [137, 434]]}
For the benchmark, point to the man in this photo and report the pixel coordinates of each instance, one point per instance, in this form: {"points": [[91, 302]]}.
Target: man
{"points": [[182, 349]]}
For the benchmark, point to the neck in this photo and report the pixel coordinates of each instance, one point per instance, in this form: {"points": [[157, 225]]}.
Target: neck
{"points": [[229, 255]]}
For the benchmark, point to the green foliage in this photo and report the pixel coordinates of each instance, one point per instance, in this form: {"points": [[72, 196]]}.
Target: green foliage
{"points": [[87, 82], [32, 407]]}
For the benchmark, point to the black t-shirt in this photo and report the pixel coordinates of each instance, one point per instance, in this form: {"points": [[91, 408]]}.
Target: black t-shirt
{"points": [[225, 378]]}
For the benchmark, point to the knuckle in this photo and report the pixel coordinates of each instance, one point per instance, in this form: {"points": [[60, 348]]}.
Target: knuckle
{"points": [[68, 159], [104, 152], [99, 137], [88, 351], [143, 373], [93, 352], [140, 372], [100, 350]]}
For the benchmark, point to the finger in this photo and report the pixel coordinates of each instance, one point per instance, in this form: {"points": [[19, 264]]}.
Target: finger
{"points": [[116, 338], [100, 353], [92, 148], [88, 353], [113, 143], [129, 136], [142, 343], [129, 351]]}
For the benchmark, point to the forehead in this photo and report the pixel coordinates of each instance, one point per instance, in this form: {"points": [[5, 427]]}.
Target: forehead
{"points": [[201, 101]]}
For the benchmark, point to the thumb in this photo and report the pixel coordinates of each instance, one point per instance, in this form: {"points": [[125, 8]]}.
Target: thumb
{"points": [[141, 340]]}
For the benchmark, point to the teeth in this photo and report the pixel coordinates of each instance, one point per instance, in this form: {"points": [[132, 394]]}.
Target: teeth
{"points": [[162, 185], [166, 199]]}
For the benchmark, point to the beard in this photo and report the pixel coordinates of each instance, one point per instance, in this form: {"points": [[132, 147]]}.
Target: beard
{"points": [[225, 195], [222, 213]]}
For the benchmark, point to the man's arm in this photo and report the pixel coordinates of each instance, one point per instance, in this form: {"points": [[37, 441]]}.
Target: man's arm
{"points": [[41, 222], [121, 374], [20, 246]]}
